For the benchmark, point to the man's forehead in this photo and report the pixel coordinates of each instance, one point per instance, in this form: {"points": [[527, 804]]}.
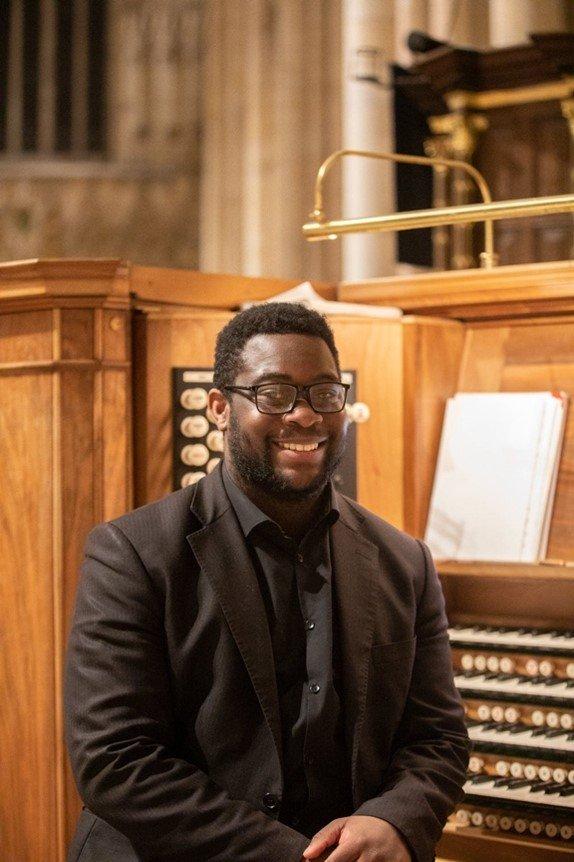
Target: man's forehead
{"points": [[287, 354]]}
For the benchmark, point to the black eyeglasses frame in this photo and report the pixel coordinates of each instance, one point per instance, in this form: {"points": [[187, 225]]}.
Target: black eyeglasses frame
{"points": [[301, 392]]}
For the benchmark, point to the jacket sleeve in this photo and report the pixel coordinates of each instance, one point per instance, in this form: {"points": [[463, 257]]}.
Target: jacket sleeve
{"points": [[120, 726], [423, 782]]}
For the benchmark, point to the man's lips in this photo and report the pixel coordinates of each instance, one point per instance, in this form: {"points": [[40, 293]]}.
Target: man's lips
{"points": [[299, 445], [299, 452]]}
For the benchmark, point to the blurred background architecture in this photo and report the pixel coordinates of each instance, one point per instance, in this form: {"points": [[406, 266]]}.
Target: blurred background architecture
{"points": [[188, 133]]}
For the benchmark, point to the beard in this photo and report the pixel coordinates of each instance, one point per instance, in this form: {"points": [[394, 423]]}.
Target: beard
{"points": [[257, 469]]}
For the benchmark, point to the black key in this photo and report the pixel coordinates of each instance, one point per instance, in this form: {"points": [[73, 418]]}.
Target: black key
{"points": [[539, 785], [518, 782], [502, 782], [540, 731], [491, 676], [480, 779], [504, 677], [517, 728], [554, 680], [569, 683], [559, 731], [555, 787], [570, 737], [567, 790]]}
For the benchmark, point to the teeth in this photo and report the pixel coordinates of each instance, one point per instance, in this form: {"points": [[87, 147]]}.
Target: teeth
{"points": [[300, 447]]}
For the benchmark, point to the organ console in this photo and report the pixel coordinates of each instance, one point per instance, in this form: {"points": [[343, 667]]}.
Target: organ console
{"points": [[87, 356], [511, 625], [518, 689]]}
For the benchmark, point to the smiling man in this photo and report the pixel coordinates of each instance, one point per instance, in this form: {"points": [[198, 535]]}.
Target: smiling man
{"points": [[259, 668]]}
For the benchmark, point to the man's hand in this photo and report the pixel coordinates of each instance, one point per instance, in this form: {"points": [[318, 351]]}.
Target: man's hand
{"points": [[358, 839]]}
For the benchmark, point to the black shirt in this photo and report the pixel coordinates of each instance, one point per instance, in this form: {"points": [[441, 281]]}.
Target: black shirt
{"points": [[296, 582]]}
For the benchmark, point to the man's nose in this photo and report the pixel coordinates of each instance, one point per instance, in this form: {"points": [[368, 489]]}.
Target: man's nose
{"points": [[303, 414]]}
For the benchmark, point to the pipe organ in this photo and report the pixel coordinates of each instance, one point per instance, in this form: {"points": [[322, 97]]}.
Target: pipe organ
{"points": [[87, 352]]}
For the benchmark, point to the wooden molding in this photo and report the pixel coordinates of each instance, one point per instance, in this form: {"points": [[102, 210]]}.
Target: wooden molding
{"points": [[469, 294]]}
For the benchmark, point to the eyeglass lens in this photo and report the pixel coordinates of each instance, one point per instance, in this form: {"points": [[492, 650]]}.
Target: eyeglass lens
{"points": [[281, 397]]}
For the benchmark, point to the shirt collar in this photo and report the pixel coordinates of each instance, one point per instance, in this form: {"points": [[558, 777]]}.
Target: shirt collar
{"points": [[250, 516]]}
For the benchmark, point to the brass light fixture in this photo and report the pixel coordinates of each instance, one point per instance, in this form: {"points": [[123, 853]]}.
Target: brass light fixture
{"points": [[488, 211]]}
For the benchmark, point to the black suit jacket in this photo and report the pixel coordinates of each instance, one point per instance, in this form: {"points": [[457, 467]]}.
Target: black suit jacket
{"points": [[171, 703]]}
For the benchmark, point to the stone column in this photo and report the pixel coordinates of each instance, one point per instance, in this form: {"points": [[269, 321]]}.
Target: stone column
{"points": [[409, 15], [460, 23], [368, 186], [270, 109], [511, 22]]}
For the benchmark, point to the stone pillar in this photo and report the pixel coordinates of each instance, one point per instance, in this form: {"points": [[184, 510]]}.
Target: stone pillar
{"points": [[512, 21], [460, 23], [409, 15], [270, 112], [368, 186]]}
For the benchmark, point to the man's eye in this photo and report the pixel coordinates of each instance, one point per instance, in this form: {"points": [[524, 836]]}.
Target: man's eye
{"points": [[326, 394], [272, 395]]}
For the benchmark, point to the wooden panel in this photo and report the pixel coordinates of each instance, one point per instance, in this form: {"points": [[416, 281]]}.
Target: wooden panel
{"points": [[115, 335], [495, 594], [117, 496], [375, 349], [76, 333], [28, 768], [79, 486], [467, 845], [432, 351], [162, 342], [530, 357], [524, 152], [26, 336]]}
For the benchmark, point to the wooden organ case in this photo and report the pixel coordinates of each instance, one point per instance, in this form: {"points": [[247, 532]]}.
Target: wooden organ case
{"points": [[87, 350], [512, 625]]}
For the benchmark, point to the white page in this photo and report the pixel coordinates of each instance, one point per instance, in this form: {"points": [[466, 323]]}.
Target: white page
{"points": [[493, 475]]}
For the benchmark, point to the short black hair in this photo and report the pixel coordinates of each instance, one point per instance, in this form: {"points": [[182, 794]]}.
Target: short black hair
{"points": [[269, 318]]}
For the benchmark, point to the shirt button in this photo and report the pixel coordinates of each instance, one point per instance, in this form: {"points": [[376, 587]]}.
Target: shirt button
{"points": [[314, 688], [309, 625], [299, 558], [270, 801]]}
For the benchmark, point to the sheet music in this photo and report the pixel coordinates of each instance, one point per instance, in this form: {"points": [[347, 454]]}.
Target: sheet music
{"points": [[495, 476]]}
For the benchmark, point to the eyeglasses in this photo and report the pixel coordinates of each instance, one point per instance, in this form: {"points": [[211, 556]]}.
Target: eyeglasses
{"points": [[277, 398]]}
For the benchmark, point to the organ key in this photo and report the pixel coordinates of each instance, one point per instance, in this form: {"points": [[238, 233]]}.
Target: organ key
{"points": [[517, 686]]}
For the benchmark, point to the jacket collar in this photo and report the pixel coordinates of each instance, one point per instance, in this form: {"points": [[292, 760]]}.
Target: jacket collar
{"points": [[219, 547]]}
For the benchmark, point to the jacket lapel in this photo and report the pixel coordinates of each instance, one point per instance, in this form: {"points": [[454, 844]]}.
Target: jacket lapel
{"points": [[355, 561], [219, 547]]}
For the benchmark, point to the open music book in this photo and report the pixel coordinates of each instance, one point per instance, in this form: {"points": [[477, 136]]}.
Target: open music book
{"points": [[496, 475]]}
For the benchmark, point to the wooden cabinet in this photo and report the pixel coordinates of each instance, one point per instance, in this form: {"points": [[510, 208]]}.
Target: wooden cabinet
{"points": [[65, 462], [510, 113]]}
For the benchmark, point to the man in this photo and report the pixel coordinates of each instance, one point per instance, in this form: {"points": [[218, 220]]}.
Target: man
{"points": [[259, 668]]}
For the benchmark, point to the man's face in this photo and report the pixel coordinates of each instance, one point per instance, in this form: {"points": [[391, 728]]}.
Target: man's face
{"points": [[255, 442]]}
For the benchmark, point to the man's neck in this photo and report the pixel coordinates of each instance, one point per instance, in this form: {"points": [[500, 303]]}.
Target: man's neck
{"points": [[293, 516]]}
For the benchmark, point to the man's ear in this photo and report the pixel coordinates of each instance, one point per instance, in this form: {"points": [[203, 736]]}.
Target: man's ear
{"points": [[219, 408]]}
